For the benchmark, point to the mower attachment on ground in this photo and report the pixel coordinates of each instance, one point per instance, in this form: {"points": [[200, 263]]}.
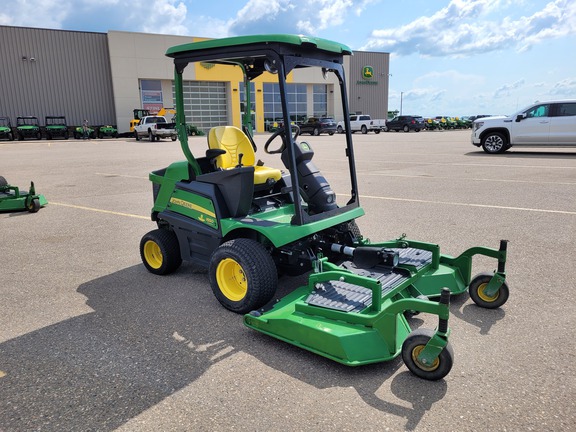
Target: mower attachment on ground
{"points": [[11, 199]]}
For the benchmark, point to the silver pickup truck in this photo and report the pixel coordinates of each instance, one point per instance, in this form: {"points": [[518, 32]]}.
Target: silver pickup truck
{"points": [[155, 127]]}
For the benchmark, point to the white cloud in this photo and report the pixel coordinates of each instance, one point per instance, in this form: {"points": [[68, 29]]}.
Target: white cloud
{"points": [[564, 88], [463, 28], [506, 89], [164, 16]]}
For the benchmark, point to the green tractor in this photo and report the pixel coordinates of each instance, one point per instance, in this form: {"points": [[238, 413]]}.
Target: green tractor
{"points": [[56, 127], [6, 129], [107, 131], [28, 127], [11, 199], [247, 223]]}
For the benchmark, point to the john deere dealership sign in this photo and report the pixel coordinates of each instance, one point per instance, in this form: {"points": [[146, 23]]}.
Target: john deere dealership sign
{"points": [[367, 76]]}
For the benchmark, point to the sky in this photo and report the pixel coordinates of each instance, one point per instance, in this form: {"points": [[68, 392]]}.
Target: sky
{"points": [[452, 57]]}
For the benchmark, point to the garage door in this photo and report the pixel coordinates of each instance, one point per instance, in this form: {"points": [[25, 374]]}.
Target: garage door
{"points": [[205, 104]]}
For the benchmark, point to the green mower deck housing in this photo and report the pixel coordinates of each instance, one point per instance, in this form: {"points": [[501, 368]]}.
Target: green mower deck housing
{"points": [[12, 199], [246, 223]]}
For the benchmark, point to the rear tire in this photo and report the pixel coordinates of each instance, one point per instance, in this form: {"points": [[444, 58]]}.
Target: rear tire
{"points": [[316, 132], [406, 128], [242, 275], [3, 181], [339, 129], [160, 251], [364, 129]]}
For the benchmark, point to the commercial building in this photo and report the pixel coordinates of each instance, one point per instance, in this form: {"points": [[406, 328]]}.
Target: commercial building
{"points": [[103, 77]]}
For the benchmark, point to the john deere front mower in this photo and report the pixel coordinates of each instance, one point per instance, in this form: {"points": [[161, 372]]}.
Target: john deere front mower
{"points": [[247, 222]]}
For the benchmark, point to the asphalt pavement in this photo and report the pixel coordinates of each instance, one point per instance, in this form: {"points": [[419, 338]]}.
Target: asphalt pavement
{"points": [[89, 340]]}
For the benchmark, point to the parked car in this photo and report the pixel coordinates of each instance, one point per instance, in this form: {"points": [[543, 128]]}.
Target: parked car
{"points": [[406, 123], [317, 126], [545, 124], [362, 123]]}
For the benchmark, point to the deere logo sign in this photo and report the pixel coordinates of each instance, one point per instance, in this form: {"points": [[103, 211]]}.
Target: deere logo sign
{"points": [[367, 72], [367, 76]]}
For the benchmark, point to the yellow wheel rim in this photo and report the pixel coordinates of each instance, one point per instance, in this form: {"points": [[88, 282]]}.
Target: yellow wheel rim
{"points": [[153, 254], [231, 279], [428, 368], [487, 298]]}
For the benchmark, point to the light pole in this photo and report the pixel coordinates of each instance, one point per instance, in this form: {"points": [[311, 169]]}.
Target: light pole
{"points": [[401, 96]]}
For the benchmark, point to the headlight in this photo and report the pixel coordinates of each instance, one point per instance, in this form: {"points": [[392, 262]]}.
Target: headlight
{"points": [[478, 125]]}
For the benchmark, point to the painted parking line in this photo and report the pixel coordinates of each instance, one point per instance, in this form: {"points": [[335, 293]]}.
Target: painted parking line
{"points": [[523, 209], [121, 175], [425, 177], [99, 210]]}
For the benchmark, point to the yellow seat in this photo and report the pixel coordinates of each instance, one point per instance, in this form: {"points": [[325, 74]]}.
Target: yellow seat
{"points": [[234, 141]]}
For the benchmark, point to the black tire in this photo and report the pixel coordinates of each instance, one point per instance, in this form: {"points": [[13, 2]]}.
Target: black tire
{"points": [[48, 136], [316, 132], [412, 347], [376, 131], [34, 205], [364, 129], [476, 291], [150, 136], [340, 130], [3, 181], [494, 142], [406, 128], [136, 136], [173, 138], [330, 133], [243, 275], [416, 130], [66, 135], [11, 136], [160, 251]]}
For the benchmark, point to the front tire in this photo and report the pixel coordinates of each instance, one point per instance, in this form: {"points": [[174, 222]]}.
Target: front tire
{"points": [[160, 251], [242, 275], [494, 142], [413, 346], [136, 136], [477, 287]]}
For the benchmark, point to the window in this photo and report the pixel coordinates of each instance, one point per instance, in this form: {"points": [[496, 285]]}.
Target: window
{"points": [[296, 95], [566, 109], [205, 103], [538, 111], [320, 100]]}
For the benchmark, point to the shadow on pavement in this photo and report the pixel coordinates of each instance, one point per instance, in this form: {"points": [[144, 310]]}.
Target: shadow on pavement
{"points": [[147, 338]]}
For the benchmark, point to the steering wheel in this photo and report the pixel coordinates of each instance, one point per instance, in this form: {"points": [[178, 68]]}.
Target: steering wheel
{"points": [[282, 132]]}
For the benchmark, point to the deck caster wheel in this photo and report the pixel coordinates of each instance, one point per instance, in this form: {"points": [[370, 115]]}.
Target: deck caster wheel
{"points": [[34, 205], [413, 346], [477, 287], [160, 251], [242, 275]]}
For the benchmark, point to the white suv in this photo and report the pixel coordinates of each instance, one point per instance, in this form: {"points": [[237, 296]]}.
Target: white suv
{"points": [[541, 124]]}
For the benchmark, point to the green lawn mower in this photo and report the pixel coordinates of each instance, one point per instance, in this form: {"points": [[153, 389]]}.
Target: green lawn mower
{"points": [[56, 127], [11, 199], [6, 129], [247, 223]]}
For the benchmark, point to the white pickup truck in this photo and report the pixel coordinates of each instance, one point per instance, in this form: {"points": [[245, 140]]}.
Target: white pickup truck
{"points": [[362, 123], [155, 127]]}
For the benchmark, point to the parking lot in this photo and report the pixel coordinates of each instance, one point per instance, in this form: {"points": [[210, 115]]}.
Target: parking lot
{"points": [[89, 340]]}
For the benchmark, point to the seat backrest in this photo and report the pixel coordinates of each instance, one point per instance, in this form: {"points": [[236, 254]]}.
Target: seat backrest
{"points": [[234, 141]]}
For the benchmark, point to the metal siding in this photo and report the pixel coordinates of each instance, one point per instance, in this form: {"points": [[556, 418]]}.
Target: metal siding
{"points": [[369, 99], [70, 76]]}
